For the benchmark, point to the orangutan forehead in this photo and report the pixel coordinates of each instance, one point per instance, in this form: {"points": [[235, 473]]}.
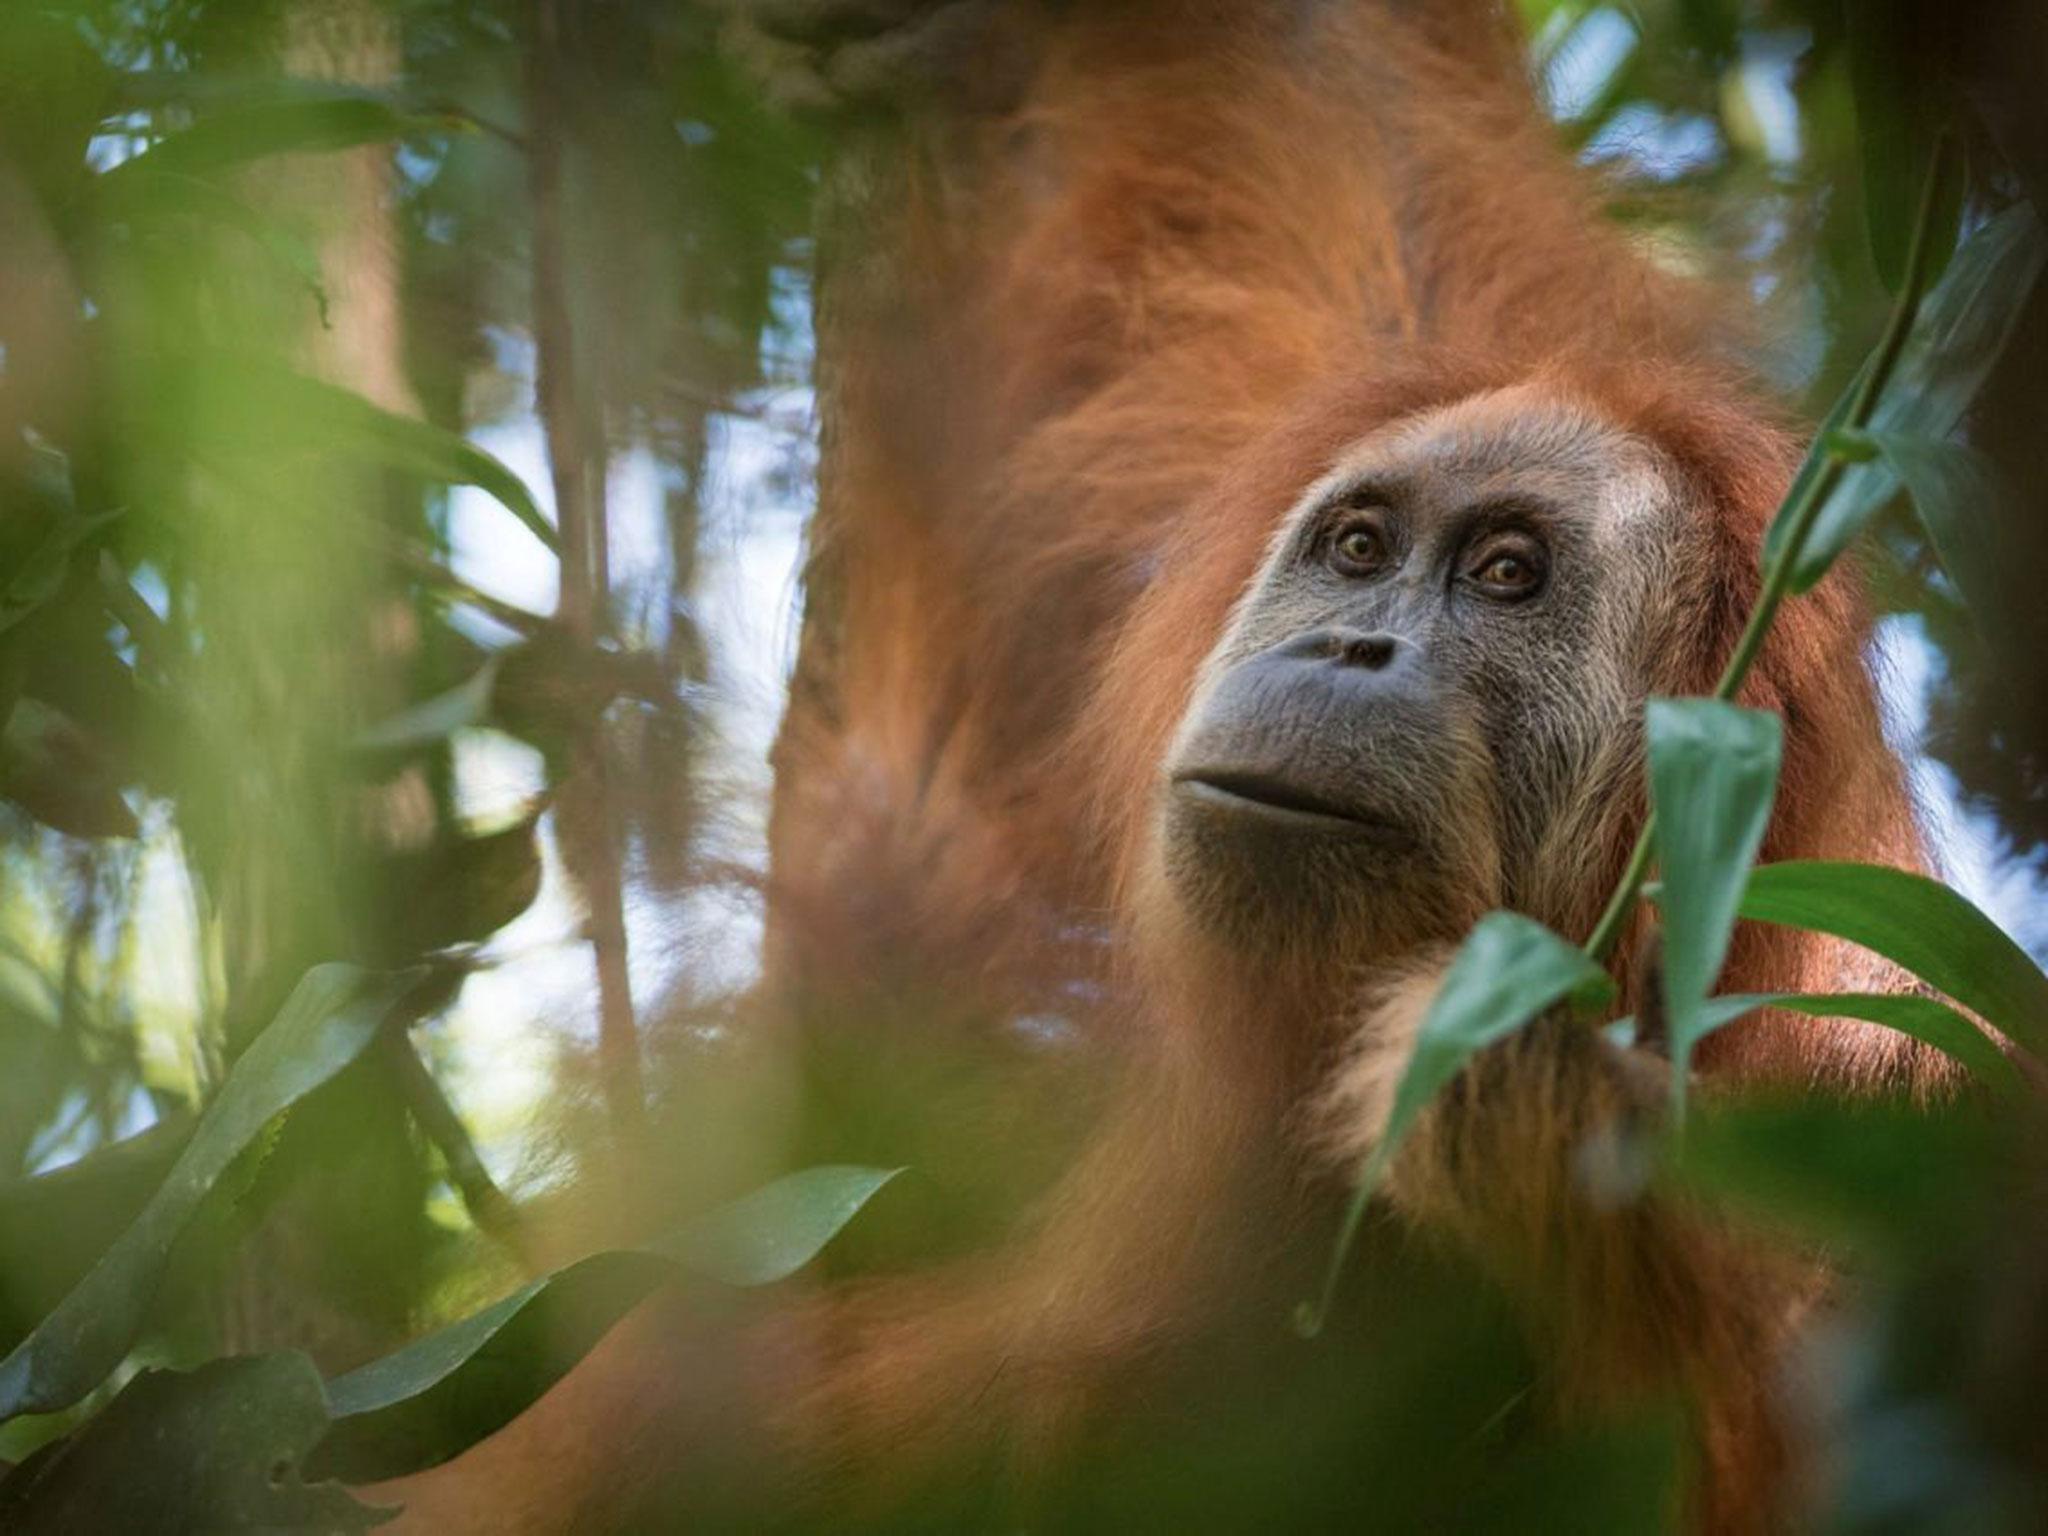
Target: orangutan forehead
{"points": [[1516, 445]]}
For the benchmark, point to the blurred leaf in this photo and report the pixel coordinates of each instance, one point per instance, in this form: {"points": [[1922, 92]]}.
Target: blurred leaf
{"points": [[770, 1234], [1713, 780], [75, 667], [434, 720], [1591, 1476], [1962, 328], [1819, 454], [58, 772], [215, 1449], [1884, 1175], [281, 406], [331, 1016], [54, 1226], [1509, 970], [1919, 923], [41, 575], [1899, 119], [444, 1392], [236, 135], [53, 88], [41, 1056], [221, 87], [1957, 493], [164, 196], [1925, 1019], [458, 890]]}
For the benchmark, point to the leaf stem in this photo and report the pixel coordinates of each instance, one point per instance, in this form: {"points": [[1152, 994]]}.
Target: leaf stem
{"points": [[1799, 517], [488, 1205]]}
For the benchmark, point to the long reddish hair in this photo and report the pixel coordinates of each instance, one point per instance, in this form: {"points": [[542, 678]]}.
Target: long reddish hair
{"points": [[1077, 357]]}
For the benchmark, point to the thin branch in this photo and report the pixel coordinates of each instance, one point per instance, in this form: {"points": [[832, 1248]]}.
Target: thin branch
{"points": [[555, 386], [487, 1204], [590, 840]]}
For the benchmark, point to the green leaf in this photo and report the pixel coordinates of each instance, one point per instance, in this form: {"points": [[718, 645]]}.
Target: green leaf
{"points": [[221, 88], [61, 774], [1925, 1019], [215, 1449], [153, 194], [1713, 780], [1918, 923], [285, 410], [772, 1233], [1957, 493], [55, 1225], [38, 578], [1962, 328], [1509, 970], [221, 140], [1818, 454], [456, 890], [417, 447], [1880, 1175], [449, 1389], [444, 1392], [436, 719], [1619, 1474], [331, 1016], [1898, 126]]}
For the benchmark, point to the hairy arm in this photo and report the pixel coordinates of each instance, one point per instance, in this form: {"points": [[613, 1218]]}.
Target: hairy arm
{"points": [[1532, 1160]]}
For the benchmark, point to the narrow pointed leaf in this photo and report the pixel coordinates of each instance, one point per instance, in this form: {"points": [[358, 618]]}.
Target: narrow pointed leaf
{"points": [[1811, 468], [409, 445], [448, 1390], [331, 1016], [153, 195], [61, 774], [1961, 330], [281, 411], [55, 1225], [1713, 779], [1879, 1175], [1899, 114], [432, 720], [1509, 970], [444, 1392], [772, 1233], [1957, 493], [36, 580], [222, 140], [456, 890], [1918, 923], [1926, 1019], [215, 1449]]}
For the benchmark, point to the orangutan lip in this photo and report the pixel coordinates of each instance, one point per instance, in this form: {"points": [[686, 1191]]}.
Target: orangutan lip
{"points": [[1269, 796]]}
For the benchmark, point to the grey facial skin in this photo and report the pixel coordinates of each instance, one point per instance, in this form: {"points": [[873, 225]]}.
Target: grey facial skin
{"points": [[1432, 687]]}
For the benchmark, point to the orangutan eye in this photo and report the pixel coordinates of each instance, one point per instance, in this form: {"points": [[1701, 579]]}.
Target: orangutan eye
{"points": [[1509, 569], [1358, 548]]}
